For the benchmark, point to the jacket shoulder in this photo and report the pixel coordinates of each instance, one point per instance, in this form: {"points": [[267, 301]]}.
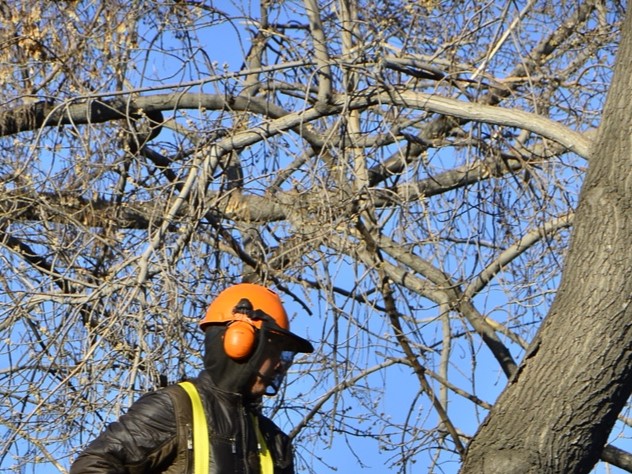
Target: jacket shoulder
{"points": [[183, 414], [145, 439]]}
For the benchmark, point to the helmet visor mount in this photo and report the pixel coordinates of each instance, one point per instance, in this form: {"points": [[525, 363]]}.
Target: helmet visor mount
{"points": [[290, 341]]}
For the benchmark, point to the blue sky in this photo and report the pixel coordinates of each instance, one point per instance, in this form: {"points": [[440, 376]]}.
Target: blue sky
{"points": [[224, 49]]}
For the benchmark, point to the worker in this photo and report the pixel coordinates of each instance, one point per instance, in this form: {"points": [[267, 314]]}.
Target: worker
{"points": [[248, 349]]}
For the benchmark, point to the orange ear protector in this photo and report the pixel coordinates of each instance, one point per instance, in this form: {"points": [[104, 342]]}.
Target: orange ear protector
{"points": [[240, 336]]}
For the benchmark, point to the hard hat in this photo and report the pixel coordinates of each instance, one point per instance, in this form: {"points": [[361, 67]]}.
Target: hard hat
{"points": [[245, 308]]}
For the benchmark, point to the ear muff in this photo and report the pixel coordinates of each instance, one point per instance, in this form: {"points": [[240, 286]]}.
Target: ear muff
{"points": [[239, 339]]}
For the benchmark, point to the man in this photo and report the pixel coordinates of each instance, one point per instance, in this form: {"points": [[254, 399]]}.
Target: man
{"points": [[248, 349]]}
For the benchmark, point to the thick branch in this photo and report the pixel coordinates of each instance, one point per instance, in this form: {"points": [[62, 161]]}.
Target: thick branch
{"points": [[617, 457], [42, 114], [547, 128]]}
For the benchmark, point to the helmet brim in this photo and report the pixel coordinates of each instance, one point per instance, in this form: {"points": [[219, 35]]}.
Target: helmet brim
{"points": [[290, 341]]}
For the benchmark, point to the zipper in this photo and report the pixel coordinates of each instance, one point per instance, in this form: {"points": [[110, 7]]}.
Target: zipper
{"points": [[244, 438]]}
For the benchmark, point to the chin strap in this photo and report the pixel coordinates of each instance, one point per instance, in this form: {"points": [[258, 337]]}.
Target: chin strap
{"points": [[272, 383]]}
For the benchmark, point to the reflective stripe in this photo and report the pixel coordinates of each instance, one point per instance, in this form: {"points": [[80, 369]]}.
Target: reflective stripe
{"points": [[265, 458], [200, 430]]}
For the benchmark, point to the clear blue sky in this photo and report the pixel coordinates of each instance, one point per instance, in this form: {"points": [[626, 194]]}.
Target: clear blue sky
{"points": [[225, 49]]}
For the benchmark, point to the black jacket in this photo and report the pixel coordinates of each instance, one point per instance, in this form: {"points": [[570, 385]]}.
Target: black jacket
{"points": [[145, 440]]}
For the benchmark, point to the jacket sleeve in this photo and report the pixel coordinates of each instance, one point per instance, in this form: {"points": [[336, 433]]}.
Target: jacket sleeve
{"points": [[141, 441]]}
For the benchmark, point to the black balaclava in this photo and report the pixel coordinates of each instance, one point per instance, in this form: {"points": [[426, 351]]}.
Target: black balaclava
{"points": [[227, 374]]}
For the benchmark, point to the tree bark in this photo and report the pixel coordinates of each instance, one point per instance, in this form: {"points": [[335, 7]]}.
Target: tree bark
{"points": [[556, 414]]}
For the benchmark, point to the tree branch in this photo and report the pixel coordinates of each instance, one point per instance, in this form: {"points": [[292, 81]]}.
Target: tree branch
{"points": [[547, 128], [41, 114], [617, 457], [513, 252]]}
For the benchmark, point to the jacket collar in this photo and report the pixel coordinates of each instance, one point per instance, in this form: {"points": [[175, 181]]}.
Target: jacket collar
{"points": [[205, 383]]}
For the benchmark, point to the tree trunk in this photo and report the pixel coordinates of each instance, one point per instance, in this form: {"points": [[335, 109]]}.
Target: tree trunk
{"points": [[556, 414]]}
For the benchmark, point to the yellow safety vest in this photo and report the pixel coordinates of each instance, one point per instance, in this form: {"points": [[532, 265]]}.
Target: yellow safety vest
{"points": [[201, 452]]}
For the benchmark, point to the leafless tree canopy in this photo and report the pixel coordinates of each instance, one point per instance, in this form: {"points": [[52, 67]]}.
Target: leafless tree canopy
{"points": [[403, 172]]}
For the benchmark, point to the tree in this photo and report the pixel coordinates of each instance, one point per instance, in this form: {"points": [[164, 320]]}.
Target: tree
{"points": [[559, 409], [404, 173]]}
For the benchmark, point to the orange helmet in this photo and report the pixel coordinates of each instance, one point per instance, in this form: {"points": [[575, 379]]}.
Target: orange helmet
{"points": [[245, 308]]}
